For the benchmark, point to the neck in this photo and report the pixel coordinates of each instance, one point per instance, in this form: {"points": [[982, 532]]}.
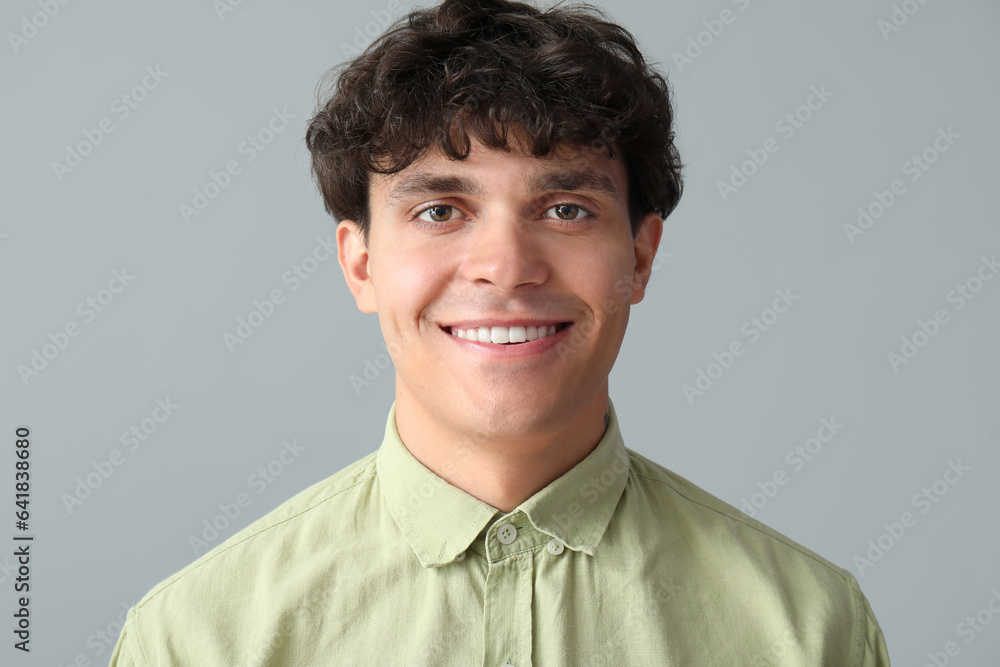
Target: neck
{"points": [[502, 467]]}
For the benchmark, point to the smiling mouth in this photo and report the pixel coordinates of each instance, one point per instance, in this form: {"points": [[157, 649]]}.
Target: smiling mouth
{"points": [[515, 335]]}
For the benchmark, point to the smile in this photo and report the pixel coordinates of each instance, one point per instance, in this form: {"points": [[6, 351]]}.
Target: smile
{"points": [[511, 335]]}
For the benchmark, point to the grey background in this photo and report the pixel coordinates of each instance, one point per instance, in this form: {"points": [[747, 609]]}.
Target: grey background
{"points": [[720, 264]]}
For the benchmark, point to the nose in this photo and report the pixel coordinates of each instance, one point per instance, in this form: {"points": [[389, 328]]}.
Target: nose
{"points": [[505, 252]]}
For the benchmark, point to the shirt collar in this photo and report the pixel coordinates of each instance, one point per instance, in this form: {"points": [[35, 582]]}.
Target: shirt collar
{"points": [[440, 521]]}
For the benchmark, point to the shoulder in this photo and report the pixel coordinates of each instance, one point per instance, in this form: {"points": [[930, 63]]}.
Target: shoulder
{"points": [[734, 557], [695, 510], [280, 554], [325, 498]]}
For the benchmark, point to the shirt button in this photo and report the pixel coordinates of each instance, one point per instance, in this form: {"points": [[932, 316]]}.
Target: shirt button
{"points": [[555, 547], [460, 557], [507, 533]]}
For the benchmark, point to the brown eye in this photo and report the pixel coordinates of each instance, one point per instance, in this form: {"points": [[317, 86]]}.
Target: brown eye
{"points": [[567, 212], [436, 213]]}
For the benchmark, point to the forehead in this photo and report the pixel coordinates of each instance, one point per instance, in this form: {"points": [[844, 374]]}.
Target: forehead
{"points": [[565, 169]]}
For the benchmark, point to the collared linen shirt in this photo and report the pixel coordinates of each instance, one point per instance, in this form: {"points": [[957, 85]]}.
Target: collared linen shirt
{"points": [[617, 562]]}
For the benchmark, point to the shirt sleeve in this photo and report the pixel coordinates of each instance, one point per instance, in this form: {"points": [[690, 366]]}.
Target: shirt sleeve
{"points": [[873, 651], [124, 653]]}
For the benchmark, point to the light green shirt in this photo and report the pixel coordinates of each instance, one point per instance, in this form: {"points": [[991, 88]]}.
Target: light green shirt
{"points": [[618, 562]]}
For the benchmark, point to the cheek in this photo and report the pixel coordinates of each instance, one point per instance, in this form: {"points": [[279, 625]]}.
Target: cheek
{"points": [[614, 309], [405, 282], [604, 282]]}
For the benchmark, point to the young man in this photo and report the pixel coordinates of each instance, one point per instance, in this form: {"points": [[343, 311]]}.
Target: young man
{"points": [[501, 176]]}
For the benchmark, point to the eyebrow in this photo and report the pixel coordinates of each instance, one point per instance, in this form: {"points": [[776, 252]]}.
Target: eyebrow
{"points": [[424, 184], [567, 180], [570, 180]]}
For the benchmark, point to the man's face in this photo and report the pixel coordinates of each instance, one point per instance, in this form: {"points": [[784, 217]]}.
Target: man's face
{"points": [[464, 257]]}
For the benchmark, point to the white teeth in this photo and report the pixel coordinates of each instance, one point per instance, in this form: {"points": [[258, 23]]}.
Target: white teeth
{"points": [[504, 335]]}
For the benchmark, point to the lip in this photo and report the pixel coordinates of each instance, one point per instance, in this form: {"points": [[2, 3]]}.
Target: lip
{"points": [[494, 322], [513, 352]]}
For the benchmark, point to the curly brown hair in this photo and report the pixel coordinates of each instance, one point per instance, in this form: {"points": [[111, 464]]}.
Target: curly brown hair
{"points": [[500, 72]]}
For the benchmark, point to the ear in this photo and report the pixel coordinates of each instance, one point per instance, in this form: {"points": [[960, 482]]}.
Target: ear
{"points": [[353, 255], [646, 242]]}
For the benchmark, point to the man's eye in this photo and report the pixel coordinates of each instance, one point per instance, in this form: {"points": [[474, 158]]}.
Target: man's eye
{"points": [[438, 213], [567, 212]]}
